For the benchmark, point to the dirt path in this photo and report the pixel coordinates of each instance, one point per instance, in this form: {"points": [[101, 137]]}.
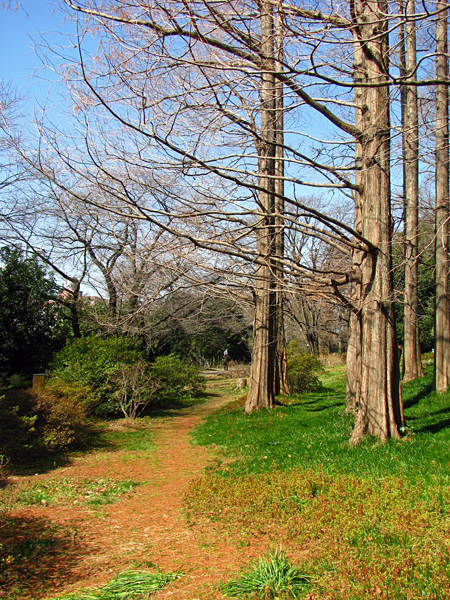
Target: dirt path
{"points": [[147, 526]]}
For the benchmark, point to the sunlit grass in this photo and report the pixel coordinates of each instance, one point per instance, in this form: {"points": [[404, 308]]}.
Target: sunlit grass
{"points": [[66, 491], [314, 430], [374, 519]]}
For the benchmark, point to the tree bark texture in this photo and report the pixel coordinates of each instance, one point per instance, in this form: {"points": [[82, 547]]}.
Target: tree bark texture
{"points": [[261, 392], [442, 311], [410, 127], [378, 412]]}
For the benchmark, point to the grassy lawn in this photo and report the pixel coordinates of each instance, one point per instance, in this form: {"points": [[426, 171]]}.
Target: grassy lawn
{"points": [[370, 521]]}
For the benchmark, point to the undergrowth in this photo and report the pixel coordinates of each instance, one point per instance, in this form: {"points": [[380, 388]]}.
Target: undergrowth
{"points": [[372, 520], [130, 585]]}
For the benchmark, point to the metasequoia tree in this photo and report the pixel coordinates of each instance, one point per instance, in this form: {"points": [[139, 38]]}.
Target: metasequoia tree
{"points": [[185, 106], [442, 300], [281, 383], [265, 377], [216, 41], [412, 364], [379, 407]]}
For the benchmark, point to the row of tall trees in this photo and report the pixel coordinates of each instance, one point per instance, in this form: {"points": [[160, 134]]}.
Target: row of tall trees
{"points": [[210, 121]]}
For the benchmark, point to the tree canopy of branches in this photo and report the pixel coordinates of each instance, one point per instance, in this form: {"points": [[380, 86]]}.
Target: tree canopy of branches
{"points": [[210, 121]]}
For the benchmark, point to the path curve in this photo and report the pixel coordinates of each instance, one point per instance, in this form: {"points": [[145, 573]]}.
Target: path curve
{"points": [[148, 525]]}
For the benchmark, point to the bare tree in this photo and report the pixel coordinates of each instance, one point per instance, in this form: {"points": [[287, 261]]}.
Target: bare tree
{"points": [[135, 388], [442, 315], [220, 46], [410, 134], [181, 110]]}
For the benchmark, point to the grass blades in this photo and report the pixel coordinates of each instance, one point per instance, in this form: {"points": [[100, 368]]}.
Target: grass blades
{"points": [[367, 521], [130, 585], [271, 577], [65, 491], [313, 430]]}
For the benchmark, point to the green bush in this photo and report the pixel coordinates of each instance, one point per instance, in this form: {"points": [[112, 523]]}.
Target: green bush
{"points": [[176, 377], [303, 370], [95, 363]]}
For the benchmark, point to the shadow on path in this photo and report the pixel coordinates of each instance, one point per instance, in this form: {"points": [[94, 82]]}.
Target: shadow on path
{"points": [[33, 552]]}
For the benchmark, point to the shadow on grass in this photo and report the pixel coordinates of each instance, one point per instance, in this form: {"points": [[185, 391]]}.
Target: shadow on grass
{"points": [[434, 427], [319, 401], [44, 462], [176, 408], [423, 387], [35, 557], [322, 407], [431, 422]]}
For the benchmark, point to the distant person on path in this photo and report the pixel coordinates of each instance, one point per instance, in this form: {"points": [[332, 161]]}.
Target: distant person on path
{"points": [[225, 360]]}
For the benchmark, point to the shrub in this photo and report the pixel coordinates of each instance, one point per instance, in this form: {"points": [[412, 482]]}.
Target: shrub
{"points": [[18, 435], [177, 378], [33, 424], [95, 363], [136, 388], [303, 370], [62, 409]]}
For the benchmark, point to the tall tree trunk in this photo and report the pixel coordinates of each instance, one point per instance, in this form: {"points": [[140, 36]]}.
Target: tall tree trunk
{"points": [[281, 383], [442, 313], [410, 131], [261, 392], [353, 382], [378, 411]]}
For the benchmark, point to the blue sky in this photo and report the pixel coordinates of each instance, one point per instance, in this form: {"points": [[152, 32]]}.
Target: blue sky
{"points": [[19, 60]]}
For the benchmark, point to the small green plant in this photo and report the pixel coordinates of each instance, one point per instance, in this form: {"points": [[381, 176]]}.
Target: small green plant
{"points": [[130, 585], [271, 577], [303, 370]]}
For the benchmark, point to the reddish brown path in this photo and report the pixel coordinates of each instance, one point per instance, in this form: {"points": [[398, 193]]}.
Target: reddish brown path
{"points": [[148, 524]]}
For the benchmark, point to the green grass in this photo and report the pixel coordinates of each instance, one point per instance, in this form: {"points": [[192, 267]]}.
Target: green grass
{"points": [[126, 435], [66, 491], [272, 577], [314, 430], [374, 519], [130, 585]]}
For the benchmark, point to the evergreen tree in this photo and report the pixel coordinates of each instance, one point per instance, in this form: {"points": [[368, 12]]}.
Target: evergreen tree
{"points": [[32, 323]]}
